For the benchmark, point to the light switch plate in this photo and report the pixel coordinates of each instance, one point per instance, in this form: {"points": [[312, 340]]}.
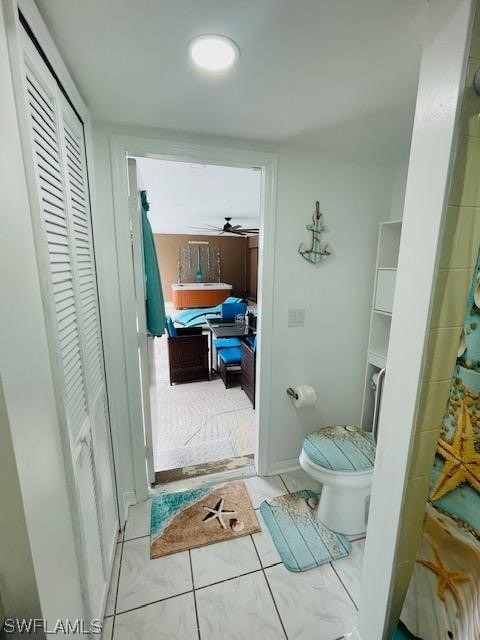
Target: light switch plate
{"points": [[296, 317]]}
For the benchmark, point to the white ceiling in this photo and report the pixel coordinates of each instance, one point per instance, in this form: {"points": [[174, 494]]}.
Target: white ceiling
{"points": [[184, 196], [333, 74]]}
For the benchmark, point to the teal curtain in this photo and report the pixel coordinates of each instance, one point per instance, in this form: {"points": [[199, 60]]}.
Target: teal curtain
{"points": [[154, 303]]}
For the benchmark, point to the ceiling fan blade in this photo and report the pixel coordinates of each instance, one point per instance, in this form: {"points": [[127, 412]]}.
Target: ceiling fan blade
{"points": [[237, 226]]}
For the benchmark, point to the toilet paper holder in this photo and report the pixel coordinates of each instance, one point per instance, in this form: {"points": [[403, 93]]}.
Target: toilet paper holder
{"points": [[291, 392]]}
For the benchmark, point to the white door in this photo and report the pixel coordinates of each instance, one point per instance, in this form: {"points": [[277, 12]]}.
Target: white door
{"points": [[144, 340], [56, 166]]}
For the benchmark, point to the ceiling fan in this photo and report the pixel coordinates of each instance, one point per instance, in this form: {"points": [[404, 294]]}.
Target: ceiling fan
{"points": [[236, 230]]}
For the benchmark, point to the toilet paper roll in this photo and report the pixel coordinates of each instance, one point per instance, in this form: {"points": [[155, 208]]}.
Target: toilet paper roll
{"points": [[306, 396]]}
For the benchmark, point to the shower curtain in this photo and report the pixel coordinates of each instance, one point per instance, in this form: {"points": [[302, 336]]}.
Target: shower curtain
{"points": [[443, 599], [154, 302]]}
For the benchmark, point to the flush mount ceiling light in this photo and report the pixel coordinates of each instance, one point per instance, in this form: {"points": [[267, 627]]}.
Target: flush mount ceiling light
{"points": [[213, 53]]}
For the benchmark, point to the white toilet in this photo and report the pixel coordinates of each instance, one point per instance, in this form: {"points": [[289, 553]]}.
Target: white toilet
{"points": [[341, 458]]}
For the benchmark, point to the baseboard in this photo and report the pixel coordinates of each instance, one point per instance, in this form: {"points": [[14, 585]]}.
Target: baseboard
{"points": [[283, 466], [129, 498]]}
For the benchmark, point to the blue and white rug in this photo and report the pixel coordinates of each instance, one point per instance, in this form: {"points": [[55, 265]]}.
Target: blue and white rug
{"points": [[302, 542]]}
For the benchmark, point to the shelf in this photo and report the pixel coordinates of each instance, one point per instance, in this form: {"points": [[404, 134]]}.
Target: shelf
{"points": [[385, 275], [379, 334], [377, 359], [389, 245], [391, 222], [384, 290]]}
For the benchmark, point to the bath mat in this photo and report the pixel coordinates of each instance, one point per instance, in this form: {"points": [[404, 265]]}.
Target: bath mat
{"points": [[302, 542], [201, 516]]}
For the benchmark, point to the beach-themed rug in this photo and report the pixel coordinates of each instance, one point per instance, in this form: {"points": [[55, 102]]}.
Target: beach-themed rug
{"points": [[201, 516], [302, 542]]}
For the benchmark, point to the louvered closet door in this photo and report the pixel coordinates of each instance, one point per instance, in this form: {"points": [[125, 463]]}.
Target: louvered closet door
{"points": [[67, 268], [86, 285]]}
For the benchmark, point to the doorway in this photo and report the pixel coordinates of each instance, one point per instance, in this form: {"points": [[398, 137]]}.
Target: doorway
{"points": [[199, 383], [123, 147]]}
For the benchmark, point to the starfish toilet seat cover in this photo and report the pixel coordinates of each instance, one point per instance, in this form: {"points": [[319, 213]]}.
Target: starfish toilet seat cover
{"points": [[341, 448]]}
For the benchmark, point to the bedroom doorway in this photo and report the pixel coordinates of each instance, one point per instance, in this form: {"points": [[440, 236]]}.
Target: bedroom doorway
{"points": [[199, 378]]}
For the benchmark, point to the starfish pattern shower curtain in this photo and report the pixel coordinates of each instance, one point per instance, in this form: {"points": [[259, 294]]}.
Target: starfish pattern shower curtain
{"points": [[443, 599]]}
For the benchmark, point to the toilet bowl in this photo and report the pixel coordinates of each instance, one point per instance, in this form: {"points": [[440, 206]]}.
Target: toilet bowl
{"points": [[341, 459]]}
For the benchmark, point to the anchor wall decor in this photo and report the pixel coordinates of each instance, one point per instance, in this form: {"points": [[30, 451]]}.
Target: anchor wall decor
{"points": [[318, 250]]}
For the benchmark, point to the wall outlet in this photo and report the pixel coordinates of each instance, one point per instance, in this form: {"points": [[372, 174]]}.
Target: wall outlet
{"points": [[296, 317]]}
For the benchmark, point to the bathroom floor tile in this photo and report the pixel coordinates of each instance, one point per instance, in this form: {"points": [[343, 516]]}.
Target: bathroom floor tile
{"points": [[298, 479], [264, 544], [235, 599], [172, 619], [238, 609], [349, 570], [260, 489], [224, 560], [107, 629], [138, 523], [112, 592], [143, 581], [313, 604]]}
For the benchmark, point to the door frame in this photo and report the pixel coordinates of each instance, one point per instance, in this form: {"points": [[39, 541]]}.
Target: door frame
{"points": [[122, 147], [136, 226]]}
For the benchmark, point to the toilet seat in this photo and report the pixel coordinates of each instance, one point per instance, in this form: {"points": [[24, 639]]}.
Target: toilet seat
{"points": [[341, 459], [340, 449]]}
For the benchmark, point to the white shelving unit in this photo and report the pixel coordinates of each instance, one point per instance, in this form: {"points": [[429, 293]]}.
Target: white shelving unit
{"points": [[385, 274]]}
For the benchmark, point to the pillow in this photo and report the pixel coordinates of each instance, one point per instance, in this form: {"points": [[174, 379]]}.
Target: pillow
{"points": [[171, 330], [232, 309]]}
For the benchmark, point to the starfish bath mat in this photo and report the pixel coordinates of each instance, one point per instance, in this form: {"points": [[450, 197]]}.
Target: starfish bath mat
{"points": [[302, 542], [201, 516]]}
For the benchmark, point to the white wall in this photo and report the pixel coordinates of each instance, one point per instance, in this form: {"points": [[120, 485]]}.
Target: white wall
{"points": [[329, 352], [398, 190], [18, 587], [110, 304]]}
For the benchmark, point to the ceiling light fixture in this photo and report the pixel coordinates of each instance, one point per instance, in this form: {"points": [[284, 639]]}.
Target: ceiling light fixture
{"points": [[213, 53]]}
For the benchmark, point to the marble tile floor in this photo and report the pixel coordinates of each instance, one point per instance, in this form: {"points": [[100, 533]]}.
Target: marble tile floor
{"points": [[230, 590]]}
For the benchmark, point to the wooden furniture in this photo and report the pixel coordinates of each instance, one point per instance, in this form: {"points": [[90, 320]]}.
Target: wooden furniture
{"points": [[386, 270], [188, 356], [248, 378], [199, 294]]}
